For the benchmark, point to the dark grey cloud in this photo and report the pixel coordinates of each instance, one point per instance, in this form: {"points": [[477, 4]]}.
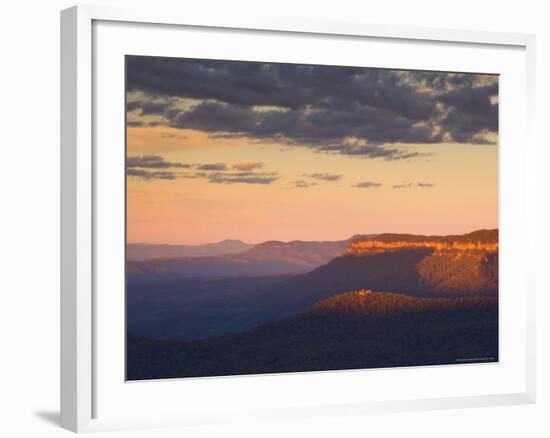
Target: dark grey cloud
{"points": [[292, 86], [146, 107], [152, 162], [322, 129], [142, 123], [323, 176], [321, 107], [212, 166], [470, 112], [367, 184]]}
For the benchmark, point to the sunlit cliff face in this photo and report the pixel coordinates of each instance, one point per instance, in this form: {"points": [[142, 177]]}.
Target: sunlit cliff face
{"points": [[364, 247]]}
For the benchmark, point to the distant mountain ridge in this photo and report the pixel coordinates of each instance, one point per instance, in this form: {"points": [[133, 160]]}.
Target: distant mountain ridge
{"points": [[147, 251], [267, 258]]}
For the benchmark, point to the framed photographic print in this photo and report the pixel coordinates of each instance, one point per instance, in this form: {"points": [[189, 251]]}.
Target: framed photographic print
{"points": [[250, 209]]}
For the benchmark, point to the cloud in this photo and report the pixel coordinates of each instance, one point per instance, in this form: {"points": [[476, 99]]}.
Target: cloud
{"points": [[183, 137], [470, 113], [371, 151], [148, 175], [212, 166], [304, 184], [323, 176], [142, 123], [323, 129], [248, 166], [412, 185], [243, 177], [151, 167], [291, 86], [152, 162], [321, 107], [367, 184], [147, 107]]}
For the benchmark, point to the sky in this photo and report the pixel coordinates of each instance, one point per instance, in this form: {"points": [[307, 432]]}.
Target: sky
{"points": [[261, 151]]}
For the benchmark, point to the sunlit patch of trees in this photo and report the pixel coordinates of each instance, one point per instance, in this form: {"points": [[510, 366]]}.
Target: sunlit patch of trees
{"points": [[369, 303]]}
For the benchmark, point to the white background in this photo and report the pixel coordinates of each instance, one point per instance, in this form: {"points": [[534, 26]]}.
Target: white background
{"points": [[29, 219]]}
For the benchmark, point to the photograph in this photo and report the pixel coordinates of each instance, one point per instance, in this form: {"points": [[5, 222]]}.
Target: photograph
{"points": [[285, 218]]}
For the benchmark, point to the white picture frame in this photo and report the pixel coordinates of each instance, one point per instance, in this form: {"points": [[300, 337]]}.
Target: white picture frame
{"points": [[79, 170]]}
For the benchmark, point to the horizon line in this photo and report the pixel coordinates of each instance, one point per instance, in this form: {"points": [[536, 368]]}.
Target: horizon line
{"points": [[305, 240]]}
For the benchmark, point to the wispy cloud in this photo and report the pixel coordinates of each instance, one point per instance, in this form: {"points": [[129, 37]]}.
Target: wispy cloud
{"points": [[248, 166], [212, 166], [152, 162], [182, 137], [303, 184], [155, 167], [149, 175], [243, 177], [367, 184], [370, 151], [323, 176], [413, 185]]}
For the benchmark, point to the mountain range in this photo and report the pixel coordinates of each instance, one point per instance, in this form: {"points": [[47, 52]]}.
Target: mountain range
{"points": [[409, 264], [148, 251], [299, 306], [267, 258]]}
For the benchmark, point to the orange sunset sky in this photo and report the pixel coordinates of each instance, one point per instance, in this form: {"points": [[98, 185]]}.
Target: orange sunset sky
{"points": [[235, 150]]}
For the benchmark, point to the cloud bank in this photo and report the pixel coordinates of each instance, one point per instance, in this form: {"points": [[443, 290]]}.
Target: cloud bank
{"points": [[352, 111]]}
